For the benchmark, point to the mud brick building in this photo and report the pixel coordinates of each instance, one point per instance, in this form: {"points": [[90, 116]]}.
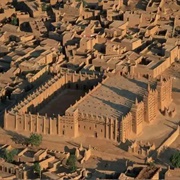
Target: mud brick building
{"points": [[111, 107]]}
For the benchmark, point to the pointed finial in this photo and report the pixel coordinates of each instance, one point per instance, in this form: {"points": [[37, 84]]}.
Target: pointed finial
{"points": [[89, 147], [161, 79], [136, 101], [149, 87], [81, 147]]}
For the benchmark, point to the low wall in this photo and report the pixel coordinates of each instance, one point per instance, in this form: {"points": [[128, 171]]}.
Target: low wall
{"points": [[40, 94], [169, 140], [44, 164], [38, 74]]}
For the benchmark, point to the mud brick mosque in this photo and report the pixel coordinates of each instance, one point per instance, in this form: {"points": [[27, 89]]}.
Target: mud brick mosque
{"points": [[112, 107]]}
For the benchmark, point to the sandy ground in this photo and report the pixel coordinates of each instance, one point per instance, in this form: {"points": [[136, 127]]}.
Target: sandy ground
{"points": [[104, 157]]}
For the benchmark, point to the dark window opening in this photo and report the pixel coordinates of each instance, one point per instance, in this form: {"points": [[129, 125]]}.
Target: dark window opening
{"points": [[145, 61], [96, 135]]}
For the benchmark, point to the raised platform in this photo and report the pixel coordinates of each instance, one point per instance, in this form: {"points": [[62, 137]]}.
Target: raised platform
{"points": [[114, 98]]}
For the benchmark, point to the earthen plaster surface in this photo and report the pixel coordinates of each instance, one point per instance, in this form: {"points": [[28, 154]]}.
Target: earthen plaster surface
{"points": [[113, 98]]}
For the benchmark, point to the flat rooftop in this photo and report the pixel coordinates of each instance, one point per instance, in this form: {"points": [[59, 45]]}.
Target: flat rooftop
{"points": [[114, 98]]}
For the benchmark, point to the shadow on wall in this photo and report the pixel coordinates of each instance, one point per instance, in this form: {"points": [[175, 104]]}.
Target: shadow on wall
{"points": [[176, 90], [142, 4], [121, 109], [2, 119], [141, 84], [69, 150], [164, 157], [124, 146], [122, 92], [110, 169]]}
